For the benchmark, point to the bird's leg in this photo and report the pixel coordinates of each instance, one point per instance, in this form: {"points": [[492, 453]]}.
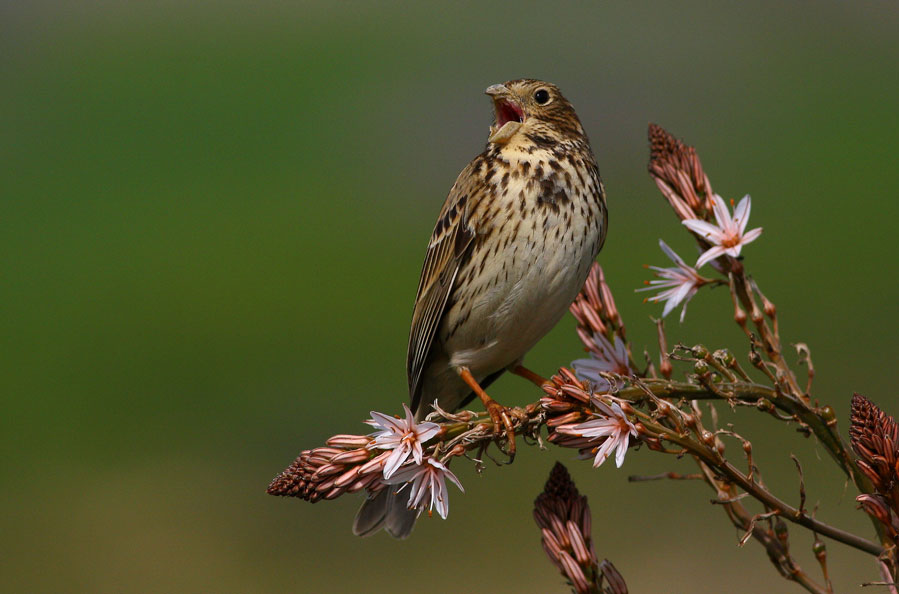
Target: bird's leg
{"points": [[535, 378], [498, 413]]}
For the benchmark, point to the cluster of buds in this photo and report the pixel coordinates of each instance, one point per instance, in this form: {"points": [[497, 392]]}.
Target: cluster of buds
{"points": [[874, 436], [678, 173], [594, 309], [600, 328], [345, 465], [563, 516], [350, 463], [608, 426]]}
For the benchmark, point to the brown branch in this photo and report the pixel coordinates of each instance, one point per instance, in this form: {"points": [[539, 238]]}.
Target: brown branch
{"points": [[788, 512], [740, 517]]}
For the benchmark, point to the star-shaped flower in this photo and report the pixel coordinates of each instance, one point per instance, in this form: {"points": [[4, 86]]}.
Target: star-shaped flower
{"points": [[428, 485], [680, 283], [607, 357], [611, 429], [403, 436], [728, 236]]}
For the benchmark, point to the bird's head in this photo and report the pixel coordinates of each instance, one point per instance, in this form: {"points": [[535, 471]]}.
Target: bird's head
{"points": [[531, 106]]}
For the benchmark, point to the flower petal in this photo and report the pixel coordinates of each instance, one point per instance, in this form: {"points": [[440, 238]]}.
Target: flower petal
{"points": [[395, 460], [593, 365], [710, 254], [426, 431], [670, 304], [603, 452], [623, 442], [452, 477], [722, 215], [704, 229], [751, 236], [683, 311], [386, 422], [682, 292], [741, 213], [671, 254]]}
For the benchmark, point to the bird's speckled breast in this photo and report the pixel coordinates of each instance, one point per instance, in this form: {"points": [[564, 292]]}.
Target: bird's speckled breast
{"points": [[531, 275]]}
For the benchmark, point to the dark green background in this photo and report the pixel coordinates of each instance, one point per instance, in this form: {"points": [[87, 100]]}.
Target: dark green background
{"points": [[211, 227]]}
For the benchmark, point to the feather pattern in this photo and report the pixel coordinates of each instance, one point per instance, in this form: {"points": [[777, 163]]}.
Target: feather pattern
{"points": [[450, 242]]}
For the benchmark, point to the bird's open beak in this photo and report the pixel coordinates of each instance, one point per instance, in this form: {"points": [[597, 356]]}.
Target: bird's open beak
{"points": [[509, 114]]}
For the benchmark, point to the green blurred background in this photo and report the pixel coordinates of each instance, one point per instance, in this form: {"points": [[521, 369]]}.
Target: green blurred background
{"points": [[213, 217]]}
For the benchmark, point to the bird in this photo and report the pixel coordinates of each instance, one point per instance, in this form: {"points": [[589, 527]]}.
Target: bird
{"points": [[511, 249]]}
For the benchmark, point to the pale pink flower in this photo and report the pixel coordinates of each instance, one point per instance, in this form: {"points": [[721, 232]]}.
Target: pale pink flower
{"points": [[607, 357], [680, 283], [403, 436], [427, 485], [728, 236], [611, 426]]}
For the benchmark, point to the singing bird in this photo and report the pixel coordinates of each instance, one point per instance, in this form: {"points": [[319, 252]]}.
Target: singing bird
{"points": [[511, 249]]}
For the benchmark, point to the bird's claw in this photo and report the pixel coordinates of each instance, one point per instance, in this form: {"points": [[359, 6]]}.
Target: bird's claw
{"points": [[502, 420]]}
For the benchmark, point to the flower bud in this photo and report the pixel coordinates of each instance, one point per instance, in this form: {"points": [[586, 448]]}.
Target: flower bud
{"points": [[653, 444], [724, 357], [700, 352], [663, 407], [756, 315], [666, 368], [349, 441], [755, 358]]}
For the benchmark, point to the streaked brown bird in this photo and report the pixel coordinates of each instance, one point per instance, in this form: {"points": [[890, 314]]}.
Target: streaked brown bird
{"points": [[511, 249]]}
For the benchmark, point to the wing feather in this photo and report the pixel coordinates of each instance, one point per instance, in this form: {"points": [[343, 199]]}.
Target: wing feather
{"points": [[450, 242]]}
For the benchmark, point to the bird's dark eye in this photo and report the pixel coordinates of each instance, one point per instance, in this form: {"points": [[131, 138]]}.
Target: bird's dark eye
{"points": [[541, 96]]}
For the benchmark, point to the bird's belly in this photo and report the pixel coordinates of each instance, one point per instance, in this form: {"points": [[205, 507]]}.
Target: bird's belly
{"points": [[524, 290]]}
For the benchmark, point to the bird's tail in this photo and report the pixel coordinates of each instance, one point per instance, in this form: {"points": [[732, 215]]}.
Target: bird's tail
{"points": [[385, 509]]}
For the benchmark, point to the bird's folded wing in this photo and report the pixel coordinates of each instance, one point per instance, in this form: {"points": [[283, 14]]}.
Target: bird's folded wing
{"points": [[450, 242]]}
